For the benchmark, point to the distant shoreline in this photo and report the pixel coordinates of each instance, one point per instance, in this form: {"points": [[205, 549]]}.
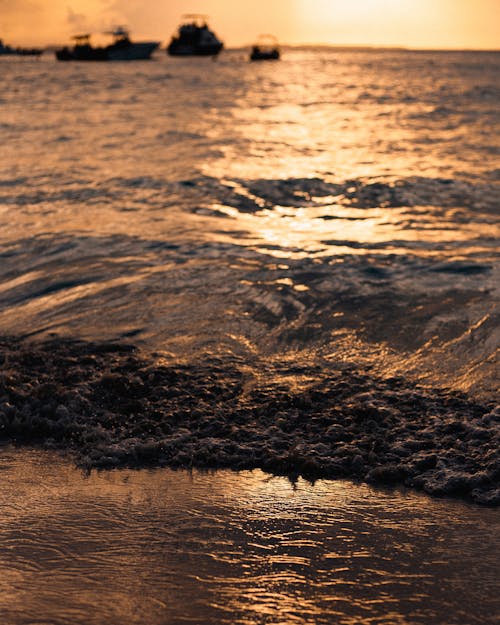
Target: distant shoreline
{"points": [[339, 48], [366, 48]]}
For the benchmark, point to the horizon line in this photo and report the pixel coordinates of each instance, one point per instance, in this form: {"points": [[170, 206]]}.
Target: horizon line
{"points": [[337, 46]]}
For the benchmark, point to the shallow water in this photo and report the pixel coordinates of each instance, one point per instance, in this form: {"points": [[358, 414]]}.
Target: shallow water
{"points": [[159, 546], [336, 201], [316, 239]]}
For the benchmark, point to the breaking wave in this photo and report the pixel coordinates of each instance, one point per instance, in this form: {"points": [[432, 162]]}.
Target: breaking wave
{"points": [[112, 407]]}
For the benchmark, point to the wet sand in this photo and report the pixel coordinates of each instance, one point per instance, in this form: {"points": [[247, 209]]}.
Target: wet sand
{"points": [[160, 546]]}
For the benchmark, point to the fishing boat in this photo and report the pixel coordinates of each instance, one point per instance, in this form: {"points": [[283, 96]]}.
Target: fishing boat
{"points": [[194, 38], [121, 49], [265, 49]]}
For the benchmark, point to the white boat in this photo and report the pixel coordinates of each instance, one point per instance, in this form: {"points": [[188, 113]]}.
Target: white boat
{"points": [[195, 38], [122, 49]]}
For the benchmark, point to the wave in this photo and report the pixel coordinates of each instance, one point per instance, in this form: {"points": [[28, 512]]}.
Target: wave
{"points": [[404, 270], [111, 406], [255, 195]]}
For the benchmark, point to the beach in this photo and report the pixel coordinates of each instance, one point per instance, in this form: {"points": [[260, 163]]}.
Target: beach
{"points": [[257, 287]]}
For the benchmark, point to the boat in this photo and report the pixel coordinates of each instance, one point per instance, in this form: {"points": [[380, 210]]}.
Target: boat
{"points": [[121, 49], [266, 49], [6, 50], [194, 38]]}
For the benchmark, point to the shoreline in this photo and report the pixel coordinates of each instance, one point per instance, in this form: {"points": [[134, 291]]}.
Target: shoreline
{"points": [[111, 406]]}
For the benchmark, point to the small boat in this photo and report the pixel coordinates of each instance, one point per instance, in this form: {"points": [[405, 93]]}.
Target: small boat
{"points": [[194, 38], [10, 51], [266, 49], [122, 49]]}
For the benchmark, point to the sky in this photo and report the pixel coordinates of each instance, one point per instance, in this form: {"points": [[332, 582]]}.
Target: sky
{"points": [[409, 23]]}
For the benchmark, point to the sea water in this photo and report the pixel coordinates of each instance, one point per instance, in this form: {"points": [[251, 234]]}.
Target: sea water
{"points": [[302, 257], [290, 267], [163, 547]]}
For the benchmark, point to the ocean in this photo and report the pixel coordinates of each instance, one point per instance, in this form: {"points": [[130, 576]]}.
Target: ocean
{"points": [[286, 267]]}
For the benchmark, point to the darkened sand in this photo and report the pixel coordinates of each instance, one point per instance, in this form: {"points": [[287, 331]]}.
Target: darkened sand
{"points": [[111, 406], [161, 547]]}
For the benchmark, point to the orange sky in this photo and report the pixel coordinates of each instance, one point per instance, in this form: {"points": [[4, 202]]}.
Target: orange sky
{"points": [[412, 23]]}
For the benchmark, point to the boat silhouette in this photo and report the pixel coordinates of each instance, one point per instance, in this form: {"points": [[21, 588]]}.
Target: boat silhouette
{"points": [[194, 38], [121, 49], [265, 49]]}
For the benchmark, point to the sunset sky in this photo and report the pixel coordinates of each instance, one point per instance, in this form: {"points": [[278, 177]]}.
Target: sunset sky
{"points": [[412, 23]]}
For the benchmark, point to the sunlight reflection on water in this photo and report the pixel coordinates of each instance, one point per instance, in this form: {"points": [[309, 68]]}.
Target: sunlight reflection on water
{"points": [[158, 546], [339, 204]]}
